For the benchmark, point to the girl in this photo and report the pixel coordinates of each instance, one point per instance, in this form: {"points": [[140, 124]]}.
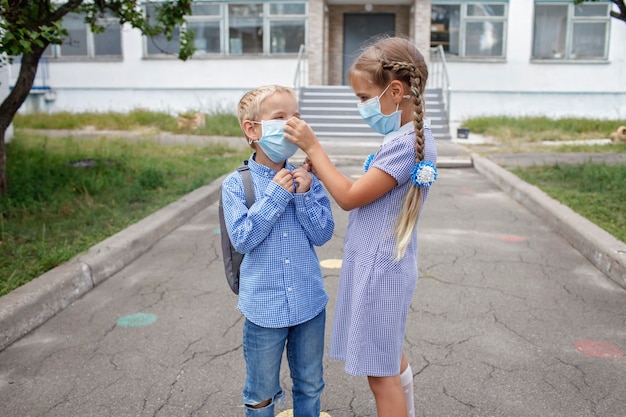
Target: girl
{"points": [[379, 270]]}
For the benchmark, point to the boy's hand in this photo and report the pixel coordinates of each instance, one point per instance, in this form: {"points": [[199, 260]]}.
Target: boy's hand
{"points": [[284, 179], [303, 180]]}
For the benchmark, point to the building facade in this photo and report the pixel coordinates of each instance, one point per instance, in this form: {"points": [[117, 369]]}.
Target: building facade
{"points": [[502, 57]]}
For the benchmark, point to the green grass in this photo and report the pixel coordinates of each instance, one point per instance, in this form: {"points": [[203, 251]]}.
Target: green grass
{"points": [[56, 209], [595, 191], [525, 130], [217, 124]]}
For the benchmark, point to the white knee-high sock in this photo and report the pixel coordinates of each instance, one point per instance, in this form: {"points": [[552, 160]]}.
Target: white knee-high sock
{"points": [[406, 378]]}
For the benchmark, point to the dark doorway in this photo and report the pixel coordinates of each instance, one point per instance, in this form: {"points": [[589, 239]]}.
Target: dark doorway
{"points": [[358, 28]]}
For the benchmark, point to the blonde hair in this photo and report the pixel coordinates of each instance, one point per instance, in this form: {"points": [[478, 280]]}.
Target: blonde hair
{"points": [[395, 58], [249, 107]]}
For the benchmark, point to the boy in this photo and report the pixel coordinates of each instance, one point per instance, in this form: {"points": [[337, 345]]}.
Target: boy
{"points": [[281, 291]]}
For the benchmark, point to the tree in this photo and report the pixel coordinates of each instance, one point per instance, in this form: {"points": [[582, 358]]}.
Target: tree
{"points": [[28, 27], [620, 15]]}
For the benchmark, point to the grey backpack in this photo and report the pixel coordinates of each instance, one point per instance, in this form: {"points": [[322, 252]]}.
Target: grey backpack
{"points": [[232, 258]]}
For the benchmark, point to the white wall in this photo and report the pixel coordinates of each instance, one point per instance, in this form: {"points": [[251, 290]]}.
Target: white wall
{"points": [[519, 87], [515, 86], [169, 85]]}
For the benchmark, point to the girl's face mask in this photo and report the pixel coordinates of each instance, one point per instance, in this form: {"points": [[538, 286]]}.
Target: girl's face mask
{"points": [[382, 123], [272, 141]]}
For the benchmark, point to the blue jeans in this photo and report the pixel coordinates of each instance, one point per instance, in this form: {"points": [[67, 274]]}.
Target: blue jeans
{"points": [[263, 350]]}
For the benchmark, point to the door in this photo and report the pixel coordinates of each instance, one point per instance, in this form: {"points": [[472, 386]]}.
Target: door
{"points": [[358, 28]]}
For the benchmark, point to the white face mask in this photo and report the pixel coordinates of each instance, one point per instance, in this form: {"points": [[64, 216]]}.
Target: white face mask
{"points": [[272, 141], [372, 114]]}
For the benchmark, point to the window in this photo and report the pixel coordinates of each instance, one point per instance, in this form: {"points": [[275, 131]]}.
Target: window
{"points": [[564, 31], [286, 27], [245, 28], [81, 42], [206, 23], [229, 28], [469, 30], [159, 44]]}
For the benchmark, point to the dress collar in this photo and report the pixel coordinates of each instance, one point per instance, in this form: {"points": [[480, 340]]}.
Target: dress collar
{"points": [[404, 129]]}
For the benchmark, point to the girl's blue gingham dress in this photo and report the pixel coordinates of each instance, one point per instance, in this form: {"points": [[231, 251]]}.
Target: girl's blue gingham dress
{"points": [[375, 292]]}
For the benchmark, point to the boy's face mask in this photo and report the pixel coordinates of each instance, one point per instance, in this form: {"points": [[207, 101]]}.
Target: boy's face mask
{"points": [[382, 123], [272, 141]]}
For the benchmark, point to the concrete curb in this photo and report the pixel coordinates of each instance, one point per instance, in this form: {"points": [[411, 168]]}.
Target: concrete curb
{"points": [[30, 305], [602, 249]]}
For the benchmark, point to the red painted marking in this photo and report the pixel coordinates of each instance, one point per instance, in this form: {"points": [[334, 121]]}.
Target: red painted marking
{"points": [[512, 238], [466, 191], [598, 349]]}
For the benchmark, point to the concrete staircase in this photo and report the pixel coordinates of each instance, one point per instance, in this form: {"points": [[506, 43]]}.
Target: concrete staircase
{"points": [[332, 113]]}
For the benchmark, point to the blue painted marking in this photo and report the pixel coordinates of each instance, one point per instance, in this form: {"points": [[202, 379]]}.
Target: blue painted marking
{"points": [[137, 320]]}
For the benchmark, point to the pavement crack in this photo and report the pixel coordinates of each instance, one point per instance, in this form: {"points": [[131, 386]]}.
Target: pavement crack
{"points": [[466, 404], [516, 333]]}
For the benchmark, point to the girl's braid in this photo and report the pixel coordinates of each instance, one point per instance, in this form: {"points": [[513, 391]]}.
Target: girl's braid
{"points": [[408, 73]]}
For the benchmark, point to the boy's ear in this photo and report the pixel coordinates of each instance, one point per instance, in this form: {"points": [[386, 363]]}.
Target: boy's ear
{"points": [[249, 130]]}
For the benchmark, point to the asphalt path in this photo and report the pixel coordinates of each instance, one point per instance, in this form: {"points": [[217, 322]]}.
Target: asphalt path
{"points": [[508, 319]]}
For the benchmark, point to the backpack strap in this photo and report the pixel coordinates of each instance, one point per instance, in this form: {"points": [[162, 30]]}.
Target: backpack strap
{"points": [[248, 187]]}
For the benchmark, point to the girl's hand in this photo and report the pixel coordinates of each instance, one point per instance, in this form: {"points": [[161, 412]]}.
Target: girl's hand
{"points": [[302, 179], [300, 133], [308, 165], [284, 179]]}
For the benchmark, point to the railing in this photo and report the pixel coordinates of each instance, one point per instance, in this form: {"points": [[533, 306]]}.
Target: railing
{"points": [[301, 76], [438, 76]]}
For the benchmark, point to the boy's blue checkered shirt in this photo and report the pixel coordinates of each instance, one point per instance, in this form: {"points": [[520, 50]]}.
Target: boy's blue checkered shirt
{"points": [[281, 281]]}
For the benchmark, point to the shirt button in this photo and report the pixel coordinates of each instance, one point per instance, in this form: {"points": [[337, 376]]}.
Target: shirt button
{"points": [[286, 261], [289, 289], [285, 234]]}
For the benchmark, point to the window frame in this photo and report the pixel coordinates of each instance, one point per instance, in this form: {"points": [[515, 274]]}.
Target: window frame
{"points": [[224, 23], [572, 20], [219, 18], [464, 19], [56, 54]]}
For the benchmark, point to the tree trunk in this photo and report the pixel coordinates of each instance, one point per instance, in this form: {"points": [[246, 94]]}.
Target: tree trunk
{"points": [[11, 105]]}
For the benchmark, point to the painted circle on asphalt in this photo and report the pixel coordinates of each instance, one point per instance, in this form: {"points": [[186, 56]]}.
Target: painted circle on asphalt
{"points": [[289, 413], [331, 263], [137, 320], [598, 349], [512, 238]]}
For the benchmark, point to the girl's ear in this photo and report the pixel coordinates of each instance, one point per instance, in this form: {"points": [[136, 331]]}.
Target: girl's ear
{"points": [[397, 90], [249, 130]]}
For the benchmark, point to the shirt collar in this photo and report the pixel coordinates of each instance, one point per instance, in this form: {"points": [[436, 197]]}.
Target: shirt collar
{"points": [[256, 167]]}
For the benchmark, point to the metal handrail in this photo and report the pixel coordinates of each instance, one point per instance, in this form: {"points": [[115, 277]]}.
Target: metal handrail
{"points": [[438, 77], [301, 75]]}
